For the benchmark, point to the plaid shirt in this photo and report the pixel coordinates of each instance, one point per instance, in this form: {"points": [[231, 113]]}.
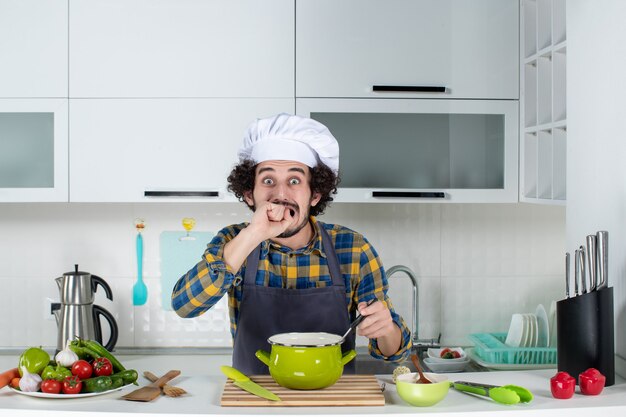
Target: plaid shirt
{"points": [[279, 266]]}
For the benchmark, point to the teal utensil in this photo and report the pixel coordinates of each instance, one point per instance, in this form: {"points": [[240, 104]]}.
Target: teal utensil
{"points": [[140, 291]]}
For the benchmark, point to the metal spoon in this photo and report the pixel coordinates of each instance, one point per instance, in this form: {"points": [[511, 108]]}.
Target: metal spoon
{"points": [[422, 378], [356, 321]]}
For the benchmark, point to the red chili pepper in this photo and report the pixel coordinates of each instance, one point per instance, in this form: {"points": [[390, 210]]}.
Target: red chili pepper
{"points": [[562, 385], [591, 382]]}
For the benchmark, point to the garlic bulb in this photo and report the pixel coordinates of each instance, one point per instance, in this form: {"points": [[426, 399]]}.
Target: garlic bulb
{"points": [[29, 382], [66, 357]]}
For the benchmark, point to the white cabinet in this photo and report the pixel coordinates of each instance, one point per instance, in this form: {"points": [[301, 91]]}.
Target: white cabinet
{"points": [[181, 48], [419, 150], [33, 48], [345, 48], [543, 120], [128, 150], [33, 150]]}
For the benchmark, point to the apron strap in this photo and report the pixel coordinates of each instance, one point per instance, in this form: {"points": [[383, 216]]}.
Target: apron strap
{"points": [[252, 265]]}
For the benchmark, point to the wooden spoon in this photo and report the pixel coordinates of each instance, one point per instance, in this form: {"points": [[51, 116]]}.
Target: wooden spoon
{"points": [[422, 378]]}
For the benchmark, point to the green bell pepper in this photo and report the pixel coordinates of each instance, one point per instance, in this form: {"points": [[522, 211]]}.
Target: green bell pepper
{"points": [[34, 359], [59, 373]]}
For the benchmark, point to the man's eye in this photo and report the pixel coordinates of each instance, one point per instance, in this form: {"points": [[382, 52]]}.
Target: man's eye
{"points": [[268, 181], [294, 181]]}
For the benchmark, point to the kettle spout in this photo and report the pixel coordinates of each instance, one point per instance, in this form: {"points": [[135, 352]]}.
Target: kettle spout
{"points": [[59, 282]]}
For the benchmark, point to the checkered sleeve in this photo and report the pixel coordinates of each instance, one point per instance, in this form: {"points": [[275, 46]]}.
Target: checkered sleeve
{"points": [[207, 282], [373, 284]]}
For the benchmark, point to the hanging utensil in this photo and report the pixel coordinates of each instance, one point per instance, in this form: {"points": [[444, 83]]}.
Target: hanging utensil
{"points": [[140, 291]]}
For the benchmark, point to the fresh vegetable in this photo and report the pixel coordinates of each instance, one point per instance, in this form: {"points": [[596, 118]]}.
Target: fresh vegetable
{"points": [[562, 385], [95, 350], [83, 352], [7, 376], [116, 382], [102, 367], [400, 370], [447, 353], [15, 382], [129, 376], [72, 385], [55, 372], [66, 357], [591, 382], [82, 369], [34, 360], [97, 384], [51, 386], [30, 382]]}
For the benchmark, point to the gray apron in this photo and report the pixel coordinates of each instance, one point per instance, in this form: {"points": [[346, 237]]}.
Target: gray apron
{"points": [[266, 311]]}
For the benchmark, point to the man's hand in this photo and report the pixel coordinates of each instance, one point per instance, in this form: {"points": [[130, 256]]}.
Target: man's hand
{"points": [[379, 325], [270, 220]]}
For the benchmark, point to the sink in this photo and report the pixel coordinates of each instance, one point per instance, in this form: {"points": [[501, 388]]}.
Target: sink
{"points": [[367, 365]]}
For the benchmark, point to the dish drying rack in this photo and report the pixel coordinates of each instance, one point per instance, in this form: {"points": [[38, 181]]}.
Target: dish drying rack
{"points": [[491, 348]]}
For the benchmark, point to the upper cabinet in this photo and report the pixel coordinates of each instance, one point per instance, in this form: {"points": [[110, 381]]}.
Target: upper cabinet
{"points": [[543, 94], [181, 48], [33, 48], [428, 48]]}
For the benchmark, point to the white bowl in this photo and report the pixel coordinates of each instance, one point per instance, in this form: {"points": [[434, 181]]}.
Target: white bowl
{"points": [[447, 366], [435, 354]]}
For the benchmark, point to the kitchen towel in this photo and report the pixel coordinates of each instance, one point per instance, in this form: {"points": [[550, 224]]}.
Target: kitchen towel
{"points": [[180, 251]]}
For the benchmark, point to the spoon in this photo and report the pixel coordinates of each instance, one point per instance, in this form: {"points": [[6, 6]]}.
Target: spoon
{"points": [[422, 378], [140, 291], [356, 321]]}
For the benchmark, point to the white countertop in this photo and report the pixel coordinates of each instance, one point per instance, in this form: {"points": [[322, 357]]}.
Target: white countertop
{"points": [[203, 381]]}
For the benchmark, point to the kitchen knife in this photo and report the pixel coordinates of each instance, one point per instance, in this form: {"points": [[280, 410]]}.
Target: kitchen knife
{"points": [[567, 274], [602, 244], [243, 382], [576, 272], [582, 269], [592, 263]]}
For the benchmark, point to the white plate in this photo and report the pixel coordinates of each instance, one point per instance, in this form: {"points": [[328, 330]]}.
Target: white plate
{"points": [[533, 330], [39, 394], [447, 366], [506, 366], [435, 354], [516, 331], [543, 325]]}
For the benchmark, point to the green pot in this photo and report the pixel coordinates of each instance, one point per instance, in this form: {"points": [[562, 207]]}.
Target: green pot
{"points": [[305, 360]]}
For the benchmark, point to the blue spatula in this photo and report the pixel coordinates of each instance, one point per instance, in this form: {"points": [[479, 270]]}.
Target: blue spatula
{"points": [[140, 291]]}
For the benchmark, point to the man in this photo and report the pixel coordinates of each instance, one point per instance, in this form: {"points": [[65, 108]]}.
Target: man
{"points": [[285, 271]]}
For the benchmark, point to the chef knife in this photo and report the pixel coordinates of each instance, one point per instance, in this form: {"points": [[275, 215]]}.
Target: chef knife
{"points": [[567, 274], [582, 271], [577, 271], [243, 382], [602, 244], [592, 262]]}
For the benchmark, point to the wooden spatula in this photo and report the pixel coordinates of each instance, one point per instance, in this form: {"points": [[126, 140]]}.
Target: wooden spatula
{"points": [[152, 391]]}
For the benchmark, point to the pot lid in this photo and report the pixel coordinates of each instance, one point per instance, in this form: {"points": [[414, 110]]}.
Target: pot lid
{"points": [[76, 272], [305, 339]]}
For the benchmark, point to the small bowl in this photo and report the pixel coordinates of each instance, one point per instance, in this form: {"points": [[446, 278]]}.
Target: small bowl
{"points": [[422, 395], [435, 354], [446, 365]]}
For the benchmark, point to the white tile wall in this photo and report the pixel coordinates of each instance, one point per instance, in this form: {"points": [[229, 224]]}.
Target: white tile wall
{"points": [[476, 264]]}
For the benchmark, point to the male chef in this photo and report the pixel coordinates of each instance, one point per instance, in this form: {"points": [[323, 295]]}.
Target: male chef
{"points": [[284, 270]]}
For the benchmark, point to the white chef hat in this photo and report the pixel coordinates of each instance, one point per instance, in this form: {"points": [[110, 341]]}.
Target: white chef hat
{"points": [[291, 138]]}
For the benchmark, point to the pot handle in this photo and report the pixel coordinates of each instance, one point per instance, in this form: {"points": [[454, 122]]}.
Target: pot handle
{"points": [[347, 357], [263, 356]]}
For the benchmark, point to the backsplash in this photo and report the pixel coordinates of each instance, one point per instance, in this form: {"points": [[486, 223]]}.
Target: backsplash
{"points": [[476, 265]]}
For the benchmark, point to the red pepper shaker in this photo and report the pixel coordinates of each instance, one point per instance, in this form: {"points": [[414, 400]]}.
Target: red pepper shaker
{"points": [[591, 382], [562, 385]]}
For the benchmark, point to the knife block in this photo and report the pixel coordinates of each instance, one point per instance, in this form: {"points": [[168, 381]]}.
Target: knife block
{"points": [[585, 334]]}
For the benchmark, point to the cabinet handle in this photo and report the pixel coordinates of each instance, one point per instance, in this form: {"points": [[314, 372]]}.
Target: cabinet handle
{"points": [[410, 88], [181, 193], [409, 194]]}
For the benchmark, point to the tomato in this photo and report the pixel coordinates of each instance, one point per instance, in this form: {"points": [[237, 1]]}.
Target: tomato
{"points": [[51, 386], [443, 352], [102, 367], [82, 369], [72, 385], [456, 354]]}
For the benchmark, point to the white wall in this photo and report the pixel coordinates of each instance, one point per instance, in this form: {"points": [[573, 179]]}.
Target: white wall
{"points": [[477, 264], [596, 148]]}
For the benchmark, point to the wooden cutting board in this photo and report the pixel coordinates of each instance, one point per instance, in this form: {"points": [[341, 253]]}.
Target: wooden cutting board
{"points": [[350, 390]]}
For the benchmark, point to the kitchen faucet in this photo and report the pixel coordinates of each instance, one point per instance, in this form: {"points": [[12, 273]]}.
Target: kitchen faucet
{"points": [[419, 345]]}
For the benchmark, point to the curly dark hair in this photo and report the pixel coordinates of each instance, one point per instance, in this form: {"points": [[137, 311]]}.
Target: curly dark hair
{"points": [[323, 181]]}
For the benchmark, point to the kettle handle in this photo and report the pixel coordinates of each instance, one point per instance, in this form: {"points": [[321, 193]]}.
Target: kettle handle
{"points": [[99, 311], [95, 281]]}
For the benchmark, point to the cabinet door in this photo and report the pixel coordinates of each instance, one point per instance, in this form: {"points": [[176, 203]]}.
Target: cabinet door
{"points": [[344, 48], [181, 48], [33, 48], [33, 150], [128, 150]]}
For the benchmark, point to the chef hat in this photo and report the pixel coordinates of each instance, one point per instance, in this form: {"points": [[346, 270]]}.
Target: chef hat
{"points": [[291, 138]]}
